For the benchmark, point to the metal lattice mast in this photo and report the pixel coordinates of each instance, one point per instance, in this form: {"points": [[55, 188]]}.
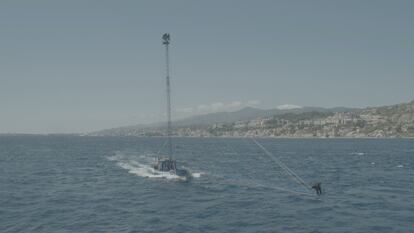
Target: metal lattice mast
{"points": [[166, 42]]}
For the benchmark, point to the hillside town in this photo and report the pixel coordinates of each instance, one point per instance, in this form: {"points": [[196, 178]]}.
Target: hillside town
{"points": [[378, 122]]}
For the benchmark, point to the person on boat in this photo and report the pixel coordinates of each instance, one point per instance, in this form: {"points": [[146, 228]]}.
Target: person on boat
{"points": [[317, 188]]}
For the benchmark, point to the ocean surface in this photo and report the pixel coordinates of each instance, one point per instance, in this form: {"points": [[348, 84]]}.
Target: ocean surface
{"points": [[105, 184]]}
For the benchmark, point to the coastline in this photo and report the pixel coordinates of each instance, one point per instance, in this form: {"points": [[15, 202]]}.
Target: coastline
{"points": [[207, 137]]}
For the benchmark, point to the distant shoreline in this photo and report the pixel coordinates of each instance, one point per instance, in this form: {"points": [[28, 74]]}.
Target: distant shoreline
{"points": [[215, 137]]}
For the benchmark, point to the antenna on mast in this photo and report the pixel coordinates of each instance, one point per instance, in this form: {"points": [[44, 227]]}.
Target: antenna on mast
{"points": [[166, 42], [169, 164]]}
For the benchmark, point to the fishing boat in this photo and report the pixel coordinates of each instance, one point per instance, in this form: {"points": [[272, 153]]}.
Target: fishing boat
{"points": [[166, 164]]}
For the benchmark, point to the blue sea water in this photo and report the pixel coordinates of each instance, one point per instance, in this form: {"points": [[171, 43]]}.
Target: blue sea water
{"points": [[102, 184]]}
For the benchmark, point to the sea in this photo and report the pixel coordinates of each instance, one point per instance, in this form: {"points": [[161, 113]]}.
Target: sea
{"points": [[65, 184]]}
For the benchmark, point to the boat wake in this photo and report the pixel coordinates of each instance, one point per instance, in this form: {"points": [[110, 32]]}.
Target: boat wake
{"points": [[142, 166]]}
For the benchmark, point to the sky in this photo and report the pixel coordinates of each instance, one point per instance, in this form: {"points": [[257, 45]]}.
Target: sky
{"points": [[78, 66]]}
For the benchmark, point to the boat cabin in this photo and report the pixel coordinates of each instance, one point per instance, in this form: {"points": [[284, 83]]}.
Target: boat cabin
{"points": [[165, 165]]}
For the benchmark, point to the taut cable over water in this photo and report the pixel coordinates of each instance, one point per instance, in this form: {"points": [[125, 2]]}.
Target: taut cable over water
{"points": [[289, 171]]}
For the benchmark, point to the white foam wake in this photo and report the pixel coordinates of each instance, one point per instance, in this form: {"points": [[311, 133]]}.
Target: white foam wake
{"points": [[357, 153], [141, 166], [197, 174]]}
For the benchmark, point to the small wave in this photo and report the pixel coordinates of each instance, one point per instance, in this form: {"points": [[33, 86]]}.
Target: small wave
{"points": [[115, 157], [357, 153], [198, 174], [400, 166]]}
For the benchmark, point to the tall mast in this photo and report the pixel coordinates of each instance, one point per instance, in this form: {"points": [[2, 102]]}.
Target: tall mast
{"points": [[166, 42]]}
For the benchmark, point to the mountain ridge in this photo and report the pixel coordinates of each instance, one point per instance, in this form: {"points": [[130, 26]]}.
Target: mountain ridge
{"points": [[244, 114], [384, 121]]}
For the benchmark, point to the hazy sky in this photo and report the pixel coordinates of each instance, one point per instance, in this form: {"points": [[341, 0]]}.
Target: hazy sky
{"points": [[77, 66]]}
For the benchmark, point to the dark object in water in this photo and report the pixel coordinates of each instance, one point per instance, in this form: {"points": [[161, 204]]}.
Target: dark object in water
{"points": [[317, 188], [165, 165], [170, 165]]}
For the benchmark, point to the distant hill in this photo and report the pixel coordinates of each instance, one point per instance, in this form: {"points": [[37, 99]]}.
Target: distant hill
{"points": [[385, 121], [245, 114], [248, 113], [374, 122]]}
